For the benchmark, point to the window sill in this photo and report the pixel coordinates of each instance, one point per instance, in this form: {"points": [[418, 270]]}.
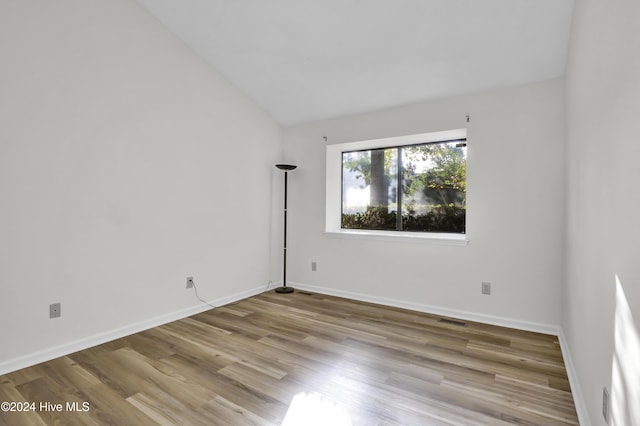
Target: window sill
{"points": [[406, 237]]}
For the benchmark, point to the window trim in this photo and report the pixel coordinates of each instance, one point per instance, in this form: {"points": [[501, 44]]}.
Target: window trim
{"points": [[333, 201]]}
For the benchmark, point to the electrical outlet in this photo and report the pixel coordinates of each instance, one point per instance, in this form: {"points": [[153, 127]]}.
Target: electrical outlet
{"points": [[314, 266], [189, 282], [54, 310], [605, 404], [486, 287]]}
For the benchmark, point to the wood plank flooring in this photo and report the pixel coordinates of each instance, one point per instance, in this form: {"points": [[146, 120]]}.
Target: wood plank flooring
{"points": [[243, 364]]}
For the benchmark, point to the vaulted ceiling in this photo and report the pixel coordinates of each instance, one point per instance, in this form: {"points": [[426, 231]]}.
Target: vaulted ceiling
{"points": [[304, 60]]}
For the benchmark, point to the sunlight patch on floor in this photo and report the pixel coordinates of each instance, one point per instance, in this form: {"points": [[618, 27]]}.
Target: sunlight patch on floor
{"points": [[313, 409]]}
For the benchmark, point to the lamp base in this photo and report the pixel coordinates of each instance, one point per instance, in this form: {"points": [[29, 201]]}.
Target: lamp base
{"points": [[284, 289]]}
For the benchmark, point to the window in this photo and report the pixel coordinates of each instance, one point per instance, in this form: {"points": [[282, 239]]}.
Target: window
{"points": [[410, 186]]}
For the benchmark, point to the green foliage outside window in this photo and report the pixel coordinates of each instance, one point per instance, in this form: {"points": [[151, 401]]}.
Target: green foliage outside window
{"points": [[425, 183]]}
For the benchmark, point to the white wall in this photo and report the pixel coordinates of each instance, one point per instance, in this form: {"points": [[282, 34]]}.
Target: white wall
{"points": [[514, 219], [601, 318], [126, 164]]}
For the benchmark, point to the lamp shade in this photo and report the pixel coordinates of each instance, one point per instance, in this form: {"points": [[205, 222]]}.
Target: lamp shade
{"points": [[286, 167]]}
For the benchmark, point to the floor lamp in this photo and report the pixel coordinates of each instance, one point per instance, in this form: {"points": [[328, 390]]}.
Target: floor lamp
{"points": [[284, 288]]}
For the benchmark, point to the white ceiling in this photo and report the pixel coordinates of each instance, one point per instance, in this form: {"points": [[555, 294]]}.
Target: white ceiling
{"points": [[308, 60]]}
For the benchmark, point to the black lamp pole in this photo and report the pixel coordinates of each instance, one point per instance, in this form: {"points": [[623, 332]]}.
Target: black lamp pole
{"points": [[284, 288]]}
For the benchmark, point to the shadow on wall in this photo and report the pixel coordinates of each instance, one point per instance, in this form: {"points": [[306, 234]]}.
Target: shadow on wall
{"points": [[625, 377]]}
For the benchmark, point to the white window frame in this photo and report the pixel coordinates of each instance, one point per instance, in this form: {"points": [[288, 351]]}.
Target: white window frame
{"points": [[333, 203]]}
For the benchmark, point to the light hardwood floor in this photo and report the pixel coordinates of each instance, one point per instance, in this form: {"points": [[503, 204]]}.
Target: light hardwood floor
{"points": [[244, 363]]}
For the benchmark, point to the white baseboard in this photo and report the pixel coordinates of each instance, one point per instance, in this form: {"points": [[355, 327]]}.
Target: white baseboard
{"points": [[576, 390], [433, 309], [554, 330], [97, 339]]}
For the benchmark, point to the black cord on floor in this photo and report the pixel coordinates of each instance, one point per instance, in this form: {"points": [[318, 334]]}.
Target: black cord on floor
{"points": [[195, 289]]}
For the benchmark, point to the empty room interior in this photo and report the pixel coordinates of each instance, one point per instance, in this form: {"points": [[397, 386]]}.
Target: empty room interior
{"points": [[146, 234]]}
